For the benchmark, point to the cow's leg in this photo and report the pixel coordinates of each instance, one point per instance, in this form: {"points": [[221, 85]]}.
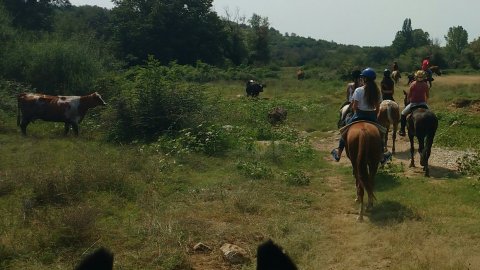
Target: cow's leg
{"points": [[67, 128], [23, 126], [75, 128]]}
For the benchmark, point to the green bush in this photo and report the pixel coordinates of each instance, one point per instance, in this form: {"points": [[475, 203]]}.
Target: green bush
{"points": [[296, 178], [154, 101], [54, 67], [254, 170]]}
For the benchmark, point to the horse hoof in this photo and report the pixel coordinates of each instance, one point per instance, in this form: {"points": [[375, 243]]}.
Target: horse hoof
{"points": [[360, 219]]}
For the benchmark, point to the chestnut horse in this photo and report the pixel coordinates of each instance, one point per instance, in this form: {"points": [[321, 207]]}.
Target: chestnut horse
{"points": [[389, 115], [364, 149], [421, 123]]}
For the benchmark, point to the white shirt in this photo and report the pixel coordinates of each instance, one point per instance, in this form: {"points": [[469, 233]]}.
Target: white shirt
{"points": [[359, 96]]}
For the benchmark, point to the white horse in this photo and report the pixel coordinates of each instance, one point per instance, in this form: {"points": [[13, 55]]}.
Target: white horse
{"points": [[344, 112]]}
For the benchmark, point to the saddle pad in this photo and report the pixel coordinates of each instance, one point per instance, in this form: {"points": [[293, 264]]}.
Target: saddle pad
{"points": [[344, 129]]}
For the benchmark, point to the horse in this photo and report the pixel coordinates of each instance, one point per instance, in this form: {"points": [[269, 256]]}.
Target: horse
{"points": [[436, 70], [396, 76], [344, 112], [389, 115], [364, 149], [421, 123]]}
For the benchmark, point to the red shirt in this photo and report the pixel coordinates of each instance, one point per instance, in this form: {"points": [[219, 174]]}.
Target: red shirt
{"points": [[418, 92], [425, 64]]}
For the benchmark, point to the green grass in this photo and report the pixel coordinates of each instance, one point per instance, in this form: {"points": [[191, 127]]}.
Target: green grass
{"points": [[63, 196]]}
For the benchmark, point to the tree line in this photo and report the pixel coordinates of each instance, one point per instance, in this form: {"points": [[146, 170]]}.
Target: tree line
{"points": [[54, 45]]}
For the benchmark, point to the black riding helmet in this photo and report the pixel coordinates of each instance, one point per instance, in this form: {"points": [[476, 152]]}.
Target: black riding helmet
{"points": [[386, 72], [356, 74]]}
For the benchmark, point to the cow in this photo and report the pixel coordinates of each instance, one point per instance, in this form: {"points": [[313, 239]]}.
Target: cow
{"points": [[254, 88], [68, 109], [300, 74]]}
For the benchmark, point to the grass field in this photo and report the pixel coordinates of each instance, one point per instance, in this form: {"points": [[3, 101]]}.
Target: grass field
{"points": [[62, 197]]}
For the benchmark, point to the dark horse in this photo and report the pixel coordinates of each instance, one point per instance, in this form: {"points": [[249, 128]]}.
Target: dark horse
{"points": [[434, 69], [421, 123], [364, 149]]}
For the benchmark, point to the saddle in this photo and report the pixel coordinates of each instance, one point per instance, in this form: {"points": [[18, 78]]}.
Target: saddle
{"points": [[413, 108], [344, 130]]}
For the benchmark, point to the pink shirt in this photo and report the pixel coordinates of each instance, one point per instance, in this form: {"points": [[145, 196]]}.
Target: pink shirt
{"points": [[418, 92]]}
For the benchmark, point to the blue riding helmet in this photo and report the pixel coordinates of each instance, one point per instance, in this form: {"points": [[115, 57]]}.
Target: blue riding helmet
{"points": [[369, 73]]}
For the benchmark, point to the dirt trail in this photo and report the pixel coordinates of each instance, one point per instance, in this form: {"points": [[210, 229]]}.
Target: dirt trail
{"points": [[443, 162]]}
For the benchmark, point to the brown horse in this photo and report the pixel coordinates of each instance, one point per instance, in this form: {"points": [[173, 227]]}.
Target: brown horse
{"points": [[389, 115], [421, 123], [364, 149], [396, 76]]}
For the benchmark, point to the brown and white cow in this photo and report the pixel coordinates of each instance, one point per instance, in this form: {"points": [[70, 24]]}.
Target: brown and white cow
{"points": [[67, 109]]}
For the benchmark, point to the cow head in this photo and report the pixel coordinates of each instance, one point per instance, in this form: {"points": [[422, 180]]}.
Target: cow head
{"points": [[98, 99]]}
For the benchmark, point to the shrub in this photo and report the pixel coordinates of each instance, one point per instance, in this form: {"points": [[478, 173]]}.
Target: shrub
{"points": [[152, 103], [296, 178], [54, 67], [254, 170], [469, 164]]}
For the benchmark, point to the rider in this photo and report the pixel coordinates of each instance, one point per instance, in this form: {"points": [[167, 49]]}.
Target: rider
{"points": [[418, 95], [356, 82], [395, 66], [426, 68], [387, 85], [365, 103]]}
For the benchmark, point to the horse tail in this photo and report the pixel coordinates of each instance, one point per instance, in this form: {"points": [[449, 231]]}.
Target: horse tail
{"points": [[362, 162], [389, 113]]}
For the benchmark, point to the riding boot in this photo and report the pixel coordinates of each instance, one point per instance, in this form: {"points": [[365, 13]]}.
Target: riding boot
{"points": [[403, 123]]}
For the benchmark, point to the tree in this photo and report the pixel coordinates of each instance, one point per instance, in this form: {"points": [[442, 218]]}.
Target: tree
{"points": [[259, 39], [183, 30], [457, 40], [407, 38], [235, 49], [33, 14]]}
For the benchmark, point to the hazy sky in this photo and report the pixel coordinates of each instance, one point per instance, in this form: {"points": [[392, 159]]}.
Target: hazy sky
{"points": [[357, 22]]}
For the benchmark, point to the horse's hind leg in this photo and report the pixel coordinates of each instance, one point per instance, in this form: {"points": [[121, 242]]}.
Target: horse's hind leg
{"points": [[360, 193], [412, 151], [394, 136]]}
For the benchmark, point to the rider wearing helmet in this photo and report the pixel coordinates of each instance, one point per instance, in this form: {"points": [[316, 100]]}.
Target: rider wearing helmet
{"points": [[356, 82], [426, 68], [418, 95], [365, 103], [387, 85]]}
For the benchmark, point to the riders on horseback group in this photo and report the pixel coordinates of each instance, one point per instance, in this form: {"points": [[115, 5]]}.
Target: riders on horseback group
{"points": [[365, 102]]}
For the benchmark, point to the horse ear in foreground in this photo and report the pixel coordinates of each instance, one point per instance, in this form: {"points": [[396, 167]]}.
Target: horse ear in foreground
{"points": [[389, 115], [364, 149], [271, 257], [101, 259]]}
